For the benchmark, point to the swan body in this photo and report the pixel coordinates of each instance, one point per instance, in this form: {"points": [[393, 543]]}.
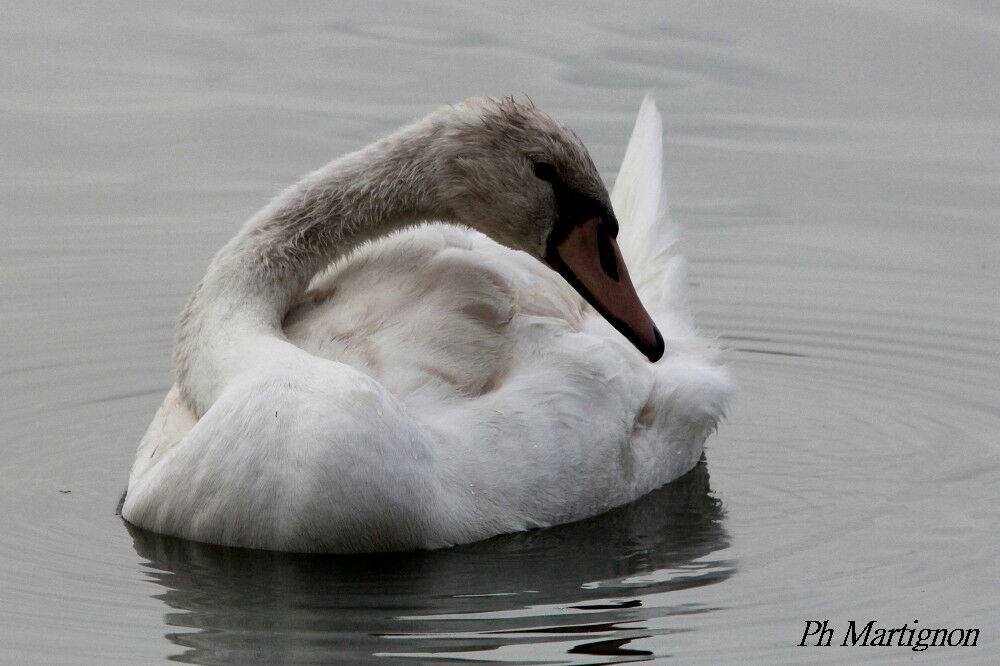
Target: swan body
{"points": [[421, 385]]}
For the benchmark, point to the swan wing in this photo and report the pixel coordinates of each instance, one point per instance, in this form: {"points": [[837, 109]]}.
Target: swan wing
{"points": [[307, 455], [649, 238], [431, 311]]}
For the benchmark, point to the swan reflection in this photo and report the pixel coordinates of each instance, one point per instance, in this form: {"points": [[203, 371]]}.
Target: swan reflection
{"points": [[568, 593]]}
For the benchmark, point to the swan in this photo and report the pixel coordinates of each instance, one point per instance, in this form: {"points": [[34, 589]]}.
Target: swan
{"points": [[431, 341]]}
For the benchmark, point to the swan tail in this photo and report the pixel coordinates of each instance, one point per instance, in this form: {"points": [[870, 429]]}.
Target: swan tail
{"points": [[649, 238]]}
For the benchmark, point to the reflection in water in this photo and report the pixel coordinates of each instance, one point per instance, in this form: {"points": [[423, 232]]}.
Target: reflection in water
{"points": [[583, 583]]}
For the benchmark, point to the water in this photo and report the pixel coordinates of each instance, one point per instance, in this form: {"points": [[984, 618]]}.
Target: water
{"points": [[836, 165]]}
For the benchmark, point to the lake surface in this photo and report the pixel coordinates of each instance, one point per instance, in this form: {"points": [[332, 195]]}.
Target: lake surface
{"points": [[836, 165]]}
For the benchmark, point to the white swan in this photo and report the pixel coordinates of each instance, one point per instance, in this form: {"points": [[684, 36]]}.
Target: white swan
{"points": [[432, 386]]}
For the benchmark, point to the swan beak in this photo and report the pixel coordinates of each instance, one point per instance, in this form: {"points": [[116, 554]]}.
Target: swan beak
{"points": [[587, 256]]}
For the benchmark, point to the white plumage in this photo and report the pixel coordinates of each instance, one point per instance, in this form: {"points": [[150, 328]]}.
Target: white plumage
{"points": [[432, 387]]}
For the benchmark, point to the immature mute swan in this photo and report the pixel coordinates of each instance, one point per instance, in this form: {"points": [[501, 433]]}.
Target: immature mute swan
{"points": [[343, 388]]}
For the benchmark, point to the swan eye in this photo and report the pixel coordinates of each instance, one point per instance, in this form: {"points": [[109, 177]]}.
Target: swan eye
{"points": [[545, 171]]}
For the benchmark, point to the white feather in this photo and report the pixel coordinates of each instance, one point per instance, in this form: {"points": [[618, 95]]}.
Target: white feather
{"points": [[649, 238]]}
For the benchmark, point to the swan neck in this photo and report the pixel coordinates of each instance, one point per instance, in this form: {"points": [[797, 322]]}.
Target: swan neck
{"points": [[232, 323]]}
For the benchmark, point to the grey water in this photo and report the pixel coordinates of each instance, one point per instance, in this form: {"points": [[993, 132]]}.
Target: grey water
{"points": [[836, 167]]}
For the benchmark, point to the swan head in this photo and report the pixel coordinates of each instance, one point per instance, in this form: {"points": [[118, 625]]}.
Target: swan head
{"points": [[528, 182]]}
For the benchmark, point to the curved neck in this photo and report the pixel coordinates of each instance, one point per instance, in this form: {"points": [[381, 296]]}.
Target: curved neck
{"points": [[233, 320]]}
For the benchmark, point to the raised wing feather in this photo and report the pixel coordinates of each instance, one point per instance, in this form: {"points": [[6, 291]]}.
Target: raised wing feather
{"points": [[649, 239]]}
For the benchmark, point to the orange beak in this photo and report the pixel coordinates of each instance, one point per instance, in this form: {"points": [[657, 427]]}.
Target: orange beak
{"points": [[587, 256]]}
